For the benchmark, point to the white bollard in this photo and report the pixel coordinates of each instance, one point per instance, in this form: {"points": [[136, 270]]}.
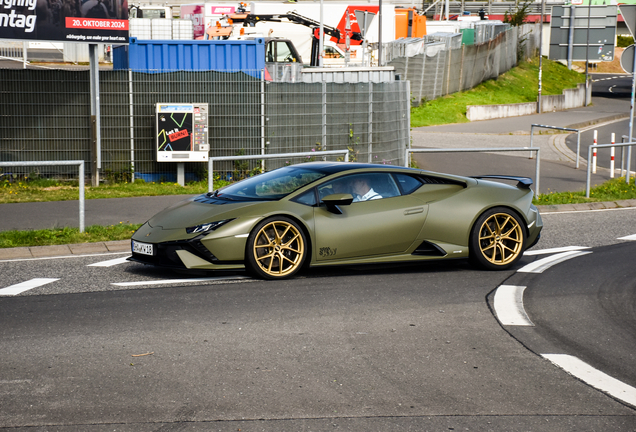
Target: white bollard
{"points": [[594, 153], [612, 150]]}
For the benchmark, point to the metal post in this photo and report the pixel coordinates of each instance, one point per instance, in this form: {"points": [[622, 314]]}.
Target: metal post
{"points": [[578, 148], [263, 117], [380, 62], [370, 123], [628, 173], [324, 115], [539, 108], [571, 36], [587, 54], [81, 197], [132, 129], [321, 42], [94, 83]]}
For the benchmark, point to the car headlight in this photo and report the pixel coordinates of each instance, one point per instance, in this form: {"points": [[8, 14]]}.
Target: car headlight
{"points": [[209, 226]]}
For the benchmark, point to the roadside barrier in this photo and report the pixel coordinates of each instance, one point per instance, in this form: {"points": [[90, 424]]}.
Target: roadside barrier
{"points": [[593, 148], [578, 138], [407, 158], [211, 160], [80, 163]]}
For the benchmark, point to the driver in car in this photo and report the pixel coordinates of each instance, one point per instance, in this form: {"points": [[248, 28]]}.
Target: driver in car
{"points": [[362, 190]]}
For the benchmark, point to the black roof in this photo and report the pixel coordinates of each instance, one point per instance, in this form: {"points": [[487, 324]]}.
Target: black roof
{"points": [[336, 167]]}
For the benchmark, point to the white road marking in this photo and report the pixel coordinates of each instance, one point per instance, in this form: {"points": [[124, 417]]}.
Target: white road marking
{"points": [[25, 286], [110, 263], [177, 281], [630, 237], [594, 377], [63, 257], [543, 264], [554, 250], [509, 306]]}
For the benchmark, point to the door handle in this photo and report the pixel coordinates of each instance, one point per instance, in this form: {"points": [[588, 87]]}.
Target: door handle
{"points": [[413, 211]]}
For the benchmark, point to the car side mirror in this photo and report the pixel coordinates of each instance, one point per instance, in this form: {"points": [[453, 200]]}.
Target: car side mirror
{"points": [[333, 202]]}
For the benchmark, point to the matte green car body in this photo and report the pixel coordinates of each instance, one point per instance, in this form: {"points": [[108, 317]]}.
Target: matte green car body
{"points": [[439, 216]]}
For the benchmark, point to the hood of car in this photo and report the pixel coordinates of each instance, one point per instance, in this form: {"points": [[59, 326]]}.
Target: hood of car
{"points": [[198, 210]]}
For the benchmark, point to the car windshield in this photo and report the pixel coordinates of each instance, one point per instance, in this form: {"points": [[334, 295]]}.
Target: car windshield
{"points": [[272, 185]]}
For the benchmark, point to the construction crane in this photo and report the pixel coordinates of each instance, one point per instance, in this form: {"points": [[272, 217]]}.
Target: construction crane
{"points": [[295, 18]]}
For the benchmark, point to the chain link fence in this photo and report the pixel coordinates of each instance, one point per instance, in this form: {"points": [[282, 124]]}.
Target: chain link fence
{"points": [[437, 67], [46, 116]]}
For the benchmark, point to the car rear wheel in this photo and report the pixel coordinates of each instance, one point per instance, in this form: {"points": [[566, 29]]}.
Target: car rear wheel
{"points": [[497, 239], [276, 249]]}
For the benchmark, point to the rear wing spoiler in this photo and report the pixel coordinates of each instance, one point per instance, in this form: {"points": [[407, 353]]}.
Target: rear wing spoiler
{"points": [[523, 182]]}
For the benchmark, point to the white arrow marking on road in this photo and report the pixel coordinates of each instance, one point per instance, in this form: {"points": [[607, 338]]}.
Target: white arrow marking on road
{"points": [[545, 263], [631, 237], [554, 250], [176, 281], [594, 377], [509, 306], [25, 286], [109, 263]]}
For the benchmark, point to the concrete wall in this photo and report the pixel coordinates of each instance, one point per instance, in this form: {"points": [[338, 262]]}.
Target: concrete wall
{"points": [[571, 98]]}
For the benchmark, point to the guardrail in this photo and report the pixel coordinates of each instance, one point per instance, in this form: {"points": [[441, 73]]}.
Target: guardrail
{"points": [[268, 156], [589, 165], [483, 150], [578, 137], [80, 163]]}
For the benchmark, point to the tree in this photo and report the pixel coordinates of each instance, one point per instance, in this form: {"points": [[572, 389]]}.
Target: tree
{"points": [[519, 15]]}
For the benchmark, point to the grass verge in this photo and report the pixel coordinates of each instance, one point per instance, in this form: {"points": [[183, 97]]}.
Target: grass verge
{"points": [[62, 236], [519, 84]]}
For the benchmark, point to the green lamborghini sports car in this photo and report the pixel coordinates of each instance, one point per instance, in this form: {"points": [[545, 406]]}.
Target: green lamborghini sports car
{"points": [[337, 213]]}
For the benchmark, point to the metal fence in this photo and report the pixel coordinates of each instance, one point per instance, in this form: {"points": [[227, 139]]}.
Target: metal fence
{"points": [[435, 69], [46, 116]]}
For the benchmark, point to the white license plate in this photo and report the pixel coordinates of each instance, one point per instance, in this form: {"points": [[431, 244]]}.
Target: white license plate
{"points": [[142, 248]]}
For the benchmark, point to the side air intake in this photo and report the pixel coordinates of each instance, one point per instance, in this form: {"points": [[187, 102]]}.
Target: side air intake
{"points": [[429, 249]]}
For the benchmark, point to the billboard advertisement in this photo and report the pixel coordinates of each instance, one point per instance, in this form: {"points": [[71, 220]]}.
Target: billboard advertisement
{"points": [[93, 21]]}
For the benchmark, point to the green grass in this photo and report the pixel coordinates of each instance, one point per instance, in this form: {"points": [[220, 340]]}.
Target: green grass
{"points": [[518, 85], [612, 190], [61, 236], [41, 190]]}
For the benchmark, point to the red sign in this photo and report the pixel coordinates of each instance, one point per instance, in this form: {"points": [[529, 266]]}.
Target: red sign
{"points": [[96, 23], [178, 135]]}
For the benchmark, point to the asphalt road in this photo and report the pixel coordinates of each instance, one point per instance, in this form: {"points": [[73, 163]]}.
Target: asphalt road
{"points": [[364, 348]]}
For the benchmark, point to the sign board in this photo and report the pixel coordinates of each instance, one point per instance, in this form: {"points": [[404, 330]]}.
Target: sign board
{"points": [[600, 21], [629, 16], [182, 132], [93, 21], [627, 59]]}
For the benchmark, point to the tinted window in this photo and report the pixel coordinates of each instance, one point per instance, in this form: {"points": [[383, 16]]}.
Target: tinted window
{"points": [[407, 183], [307, 198], [363, 187]]}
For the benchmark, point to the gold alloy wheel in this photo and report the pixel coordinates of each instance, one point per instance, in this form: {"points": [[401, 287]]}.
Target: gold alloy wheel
{"points": [[500, 239], [279, 248]]}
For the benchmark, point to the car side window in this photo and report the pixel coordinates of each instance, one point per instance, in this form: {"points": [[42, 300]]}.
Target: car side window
{"points": [[307, 198], [408, 184], [363, 187]]}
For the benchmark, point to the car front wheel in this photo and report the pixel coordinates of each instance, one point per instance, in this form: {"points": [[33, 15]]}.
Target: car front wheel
{"points": [[276, 249], [497, 239]]}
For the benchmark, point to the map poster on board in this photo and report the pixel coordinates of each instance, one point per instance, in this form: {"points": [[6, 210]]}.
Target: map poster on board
{"points": [[92, 21], [182, 132]]}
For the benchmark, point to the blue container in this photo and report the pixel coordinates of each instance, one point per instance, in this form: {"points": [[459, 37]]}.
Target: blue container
{"points": [[154, 56]]}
